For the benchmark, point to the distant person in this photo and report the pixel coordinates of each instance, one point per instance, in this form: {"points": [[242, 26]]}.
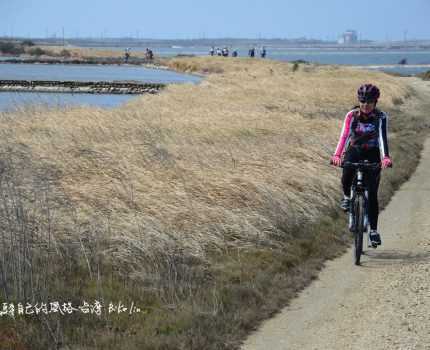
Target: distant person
{"points": [[212, 51], [263, 52], [218, 51], [251, 52], [364, 137], [225, 52], [234, 53], [149, 55], [127, 54]]}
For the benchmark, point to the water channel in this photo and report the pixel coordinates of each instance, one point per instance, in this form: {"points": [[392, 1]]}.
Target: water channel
{"points": [[12, 100], [385, 60]]}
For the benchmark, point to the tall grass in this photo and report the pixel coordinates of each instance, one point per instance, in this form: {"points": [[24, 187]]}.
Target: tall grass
{"points": [[209, 206]]}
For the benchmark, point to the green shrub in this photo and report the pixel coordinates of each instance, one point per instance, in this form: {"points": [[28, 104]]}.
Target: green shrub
{"points": [[300, 61], [27, 43], [65, 53], [397, 101], [425, 75], [10, 48], [37, 51]]}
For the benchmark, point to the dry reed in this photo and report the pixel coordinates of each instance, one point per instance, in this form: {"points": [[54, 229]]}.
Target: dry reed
{"points": [[159, 185]]}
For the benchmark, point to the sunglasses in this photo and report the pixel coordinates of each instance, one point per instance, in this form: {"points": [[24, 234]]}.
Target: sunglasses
{"points": [[369, 102]]}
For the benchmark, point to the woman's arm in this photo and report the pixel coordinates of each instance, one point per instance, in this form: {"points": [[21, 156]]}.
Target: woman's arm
{"points": [[383, 140], [344, 134]]}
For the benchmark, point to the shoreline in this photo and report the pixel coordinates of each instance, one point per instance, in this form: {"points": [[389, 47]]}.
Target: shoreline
{"points": [[87, 61], [98, 87], [161, 63]]}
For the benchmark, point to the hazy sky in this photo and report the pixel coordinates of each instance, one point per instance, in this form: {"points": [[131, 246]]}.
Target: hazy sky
{"points": [[320, 19]]}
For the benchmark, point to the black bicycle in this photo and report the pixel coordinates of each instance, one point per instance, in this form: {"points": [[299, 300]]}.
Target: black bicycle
{"points": [[358, 211]]}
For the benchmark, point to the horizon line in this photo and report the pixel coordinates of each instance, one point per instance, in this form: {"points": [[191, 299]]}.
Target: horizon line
{"points": [[303, 39]]}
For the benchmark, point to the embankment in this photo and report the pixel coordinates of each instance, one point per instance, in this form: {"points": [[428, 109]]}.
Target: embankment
{"points": [[425, 75], [99, 87], [81, 60], [210, 206]]}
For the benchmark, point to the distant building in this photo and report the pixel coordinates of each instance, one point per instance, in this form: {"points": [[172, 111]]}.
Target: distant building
{"points": [[348, 37]]}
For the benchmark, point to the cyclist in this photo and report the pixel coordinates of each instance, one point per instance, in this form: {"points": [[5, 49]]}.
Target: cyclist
{"points": [[364, 137]]}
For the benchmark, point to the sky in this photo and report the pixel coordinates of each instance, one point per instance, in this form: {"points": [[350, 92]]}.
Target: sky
{"points": [[379, 20]]}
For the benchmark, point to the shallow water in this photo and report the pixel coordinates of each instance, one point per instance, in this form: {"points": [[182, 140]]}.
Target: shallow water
{"points": [[354, 58], [10, 100], [404, 70], [92, 73]]}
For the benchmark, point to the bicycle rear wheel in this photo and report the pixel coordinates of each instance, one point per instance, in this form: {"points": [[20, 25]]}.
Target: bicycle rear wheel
{"points": [[359, 211]]}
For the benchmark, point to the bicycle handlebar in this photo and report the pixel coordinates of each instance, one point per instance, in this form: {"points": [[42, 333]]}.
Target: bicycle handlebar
{"points": [[361, 164], [365, 165]]}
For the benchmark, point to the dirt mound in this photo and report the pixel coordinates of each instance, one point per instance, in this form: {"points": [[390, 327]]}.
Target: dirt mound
{"points": [[425, 75]]}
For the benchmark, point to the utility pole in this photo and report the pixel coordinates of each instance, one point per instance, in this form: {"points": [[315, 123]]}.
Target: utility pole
{"points": [[405, 35], [63, 35]]}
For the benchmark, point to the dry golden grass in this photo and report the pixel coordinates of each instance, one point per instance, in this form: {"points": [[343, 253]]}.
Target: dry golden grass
{"points": [[202, 167], [209, 205]]}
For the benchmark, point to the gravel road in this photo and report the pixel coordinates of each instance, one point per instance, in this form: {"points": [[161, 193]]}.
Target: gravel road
{"points": [[383, 304]]}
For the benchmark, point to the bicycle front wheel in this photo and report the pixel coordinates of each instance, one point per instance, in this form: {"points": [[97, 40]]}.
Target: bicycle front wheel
{"points": [[359, 211]]}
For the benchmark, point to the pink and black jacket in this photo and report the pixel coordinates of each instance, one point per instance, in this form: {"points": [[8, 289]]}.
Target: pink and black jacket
{"points": [[364, 135]]}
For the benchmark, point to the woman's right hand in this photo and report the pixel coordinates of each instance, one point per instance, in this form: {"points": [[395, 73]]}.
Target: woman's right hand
{"points": [[336, 160]]}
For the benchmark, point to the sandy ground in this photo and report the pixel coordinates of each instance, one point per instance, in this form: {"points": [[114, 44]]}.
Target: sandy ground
{"points": [[383, 304]]}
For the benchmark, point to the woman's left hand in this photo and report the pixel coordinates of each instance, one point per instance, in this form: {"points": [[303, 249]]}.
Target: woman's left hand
{"points": [[386, 163]]}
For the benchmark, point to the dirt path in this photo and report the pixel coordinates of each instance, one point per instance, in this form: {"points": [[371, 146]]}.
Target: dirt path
{"points": [[385, 303]]}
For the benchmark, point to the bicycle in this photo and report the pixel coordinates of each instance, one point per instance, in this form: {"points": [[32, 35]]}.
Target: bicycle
{"points": [[358, 222]]}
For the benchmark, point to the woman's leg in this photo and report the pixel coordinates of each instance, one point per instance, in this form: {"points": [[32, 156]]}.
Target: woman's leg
{"points": [[373, 178], [348, 173], [347, 178]]}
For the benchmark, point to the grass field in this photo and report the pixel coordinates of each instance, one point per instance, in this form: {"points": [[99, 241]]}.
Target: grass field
{"points": [[207, 205]]}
